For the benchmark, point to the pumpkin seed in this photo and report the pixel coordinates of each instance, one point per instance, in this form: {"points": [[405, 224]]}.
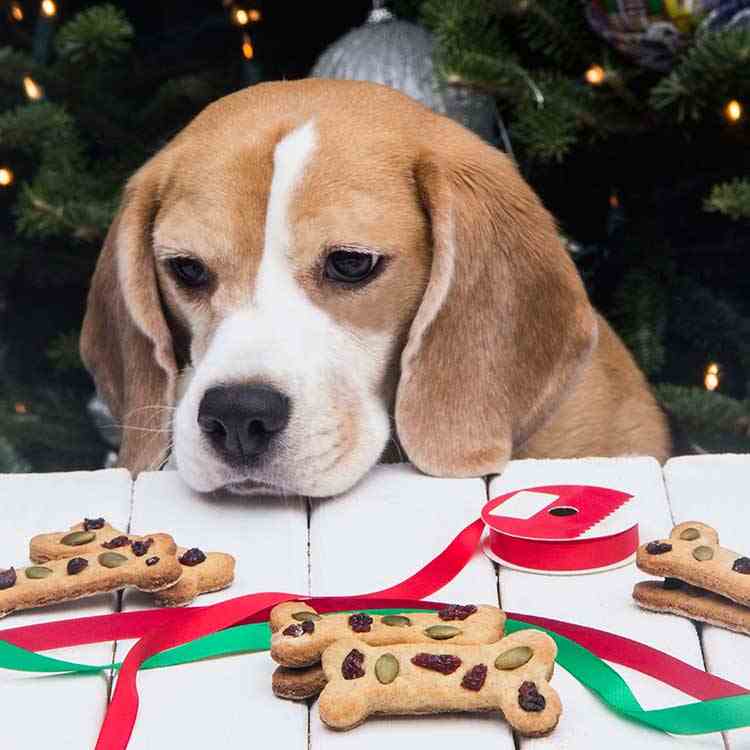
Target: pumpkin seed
{"points": [[76, 538], [112, 559], [302, 616], [441, 632], [396, 621], [513, 658], [37, 571], [386, 669], [689, 534], [703, 553]]}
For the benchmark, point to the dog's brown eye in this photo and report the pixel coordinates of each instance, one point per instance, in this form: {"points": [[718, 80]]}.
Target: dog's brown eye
{"points": [[189, 272], [350, 266]]}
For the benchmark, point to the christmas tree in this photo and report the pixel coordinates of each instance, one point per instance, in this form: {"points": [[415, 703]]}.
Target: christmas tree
{"points": [[640, 148]]}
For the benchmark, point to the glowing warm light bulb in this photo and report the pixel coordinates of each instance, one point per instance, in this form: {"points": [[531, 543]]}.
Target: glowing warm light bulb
{"points": [[254, 15], [240, 16], [711, 380], [6, 176], [49, 8], [614, 201], [33, 90], [21, 408], [595, 75], [247, 48], [16, 12], [733, 111]]}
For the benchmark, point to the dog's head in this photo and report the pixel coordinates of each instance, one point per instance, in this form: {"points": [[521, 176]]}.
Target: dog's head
{"points": [[335, 266]]}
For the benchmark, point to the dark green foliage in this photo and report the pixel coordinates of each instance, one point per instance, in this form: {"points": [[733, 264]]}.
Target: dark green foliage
{"points": [[731, 198]]}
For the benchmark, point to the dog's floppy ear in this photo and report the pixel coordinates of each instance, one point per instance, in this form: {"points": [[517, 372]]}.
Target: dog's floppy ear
{"points": [[504, 326], [125, 341]]}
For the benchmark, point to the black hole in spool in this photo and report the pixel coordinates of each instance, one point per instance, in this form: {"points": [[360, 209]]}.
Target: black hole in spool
{"points": [[563, 511]]}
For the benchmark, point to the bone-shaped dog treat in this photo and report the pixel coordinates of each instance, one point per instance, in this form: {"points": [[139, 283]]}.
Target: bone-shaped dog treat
{"points": [[300, 634], [147, 563], [510, 676], [692, 554], [679, 598], [298, 684], [202, 572]]}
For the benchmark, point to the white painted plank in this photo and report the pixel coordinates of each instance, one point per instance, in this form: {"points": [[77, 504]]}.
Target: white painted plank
{"points": [[225, 702], [714, 489], [379, 533], [604, 601], [73, 706]]}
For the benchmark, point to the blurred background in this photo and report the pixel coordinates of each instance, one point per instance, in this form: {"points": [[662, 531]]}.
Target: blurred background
{"points": [[629, 117]]}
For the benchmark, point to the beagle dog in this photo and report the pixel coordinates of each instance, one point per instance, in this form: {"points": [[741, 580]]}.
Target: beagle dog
{"points": [[314, 271]]}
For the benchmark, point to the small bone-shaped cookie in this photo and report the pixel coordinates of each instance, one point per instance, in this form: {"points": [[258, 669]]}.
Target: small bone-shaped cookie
{"points": [[148, 564], [202, 572], [692, 554], [510, 676], [300, 634], [682, 599], [298, 684]]}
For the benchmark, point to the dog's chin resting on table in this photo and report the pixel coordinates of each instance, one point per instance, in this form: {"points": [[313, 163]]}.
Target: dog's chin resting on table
{"points": [[313, 272]]}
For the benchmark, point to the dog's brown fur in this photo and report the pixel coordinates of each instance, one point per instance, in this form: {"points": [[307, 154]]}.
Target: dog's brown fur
{"points": [[500, 351]]}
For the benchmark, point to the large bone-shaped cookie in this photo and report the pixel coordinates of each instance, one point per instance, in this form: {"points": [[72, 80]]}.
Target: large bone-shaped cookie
{"points": [[300, 634], [510, 676], [148, 564], [202, 572], [692, 554]]}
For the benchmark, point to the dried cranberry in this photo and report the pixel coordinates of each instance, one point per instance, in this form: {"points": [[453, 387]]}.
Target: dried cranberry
{"points": [[742, 565], [658, 548], [457, 611], [92, 524], [529, 698], [475, 677], [140, 548], [118, 541], [152, 561], [308, 626], [360, 623], [672, 583], [443, 663], [293, 630], [351, 667], [76, 565], [192, 557], [7, 578]]}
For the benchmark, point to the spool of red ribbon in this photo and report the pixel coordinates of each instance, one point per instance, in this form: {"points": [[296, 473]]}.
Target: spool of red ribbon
{"points": [[563, 529]]}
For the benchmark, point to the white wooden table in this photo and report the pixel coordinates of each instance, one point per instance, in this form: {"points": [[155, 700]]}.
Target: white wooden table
{"points": [[385, 529]]}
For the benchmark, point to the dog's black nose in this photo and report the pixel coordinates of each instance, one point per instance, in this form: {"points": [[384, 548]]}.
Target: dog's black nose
{"points": [[240, 420]]}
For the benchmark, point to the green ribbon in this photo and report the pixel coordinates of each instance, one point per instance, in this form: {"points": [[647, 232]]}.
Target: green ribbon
{"points": [[691, 718]]}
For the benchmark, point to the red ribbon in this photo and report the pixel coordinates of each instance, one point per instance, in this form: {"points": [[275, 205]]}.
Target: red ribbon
{"points": [[162, 629]]}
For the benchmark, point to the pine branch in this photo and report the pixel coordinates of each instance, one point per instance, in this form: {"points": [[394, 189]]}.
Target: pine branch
{"points": [[715, 68], [731, 199], [712, 419], [96, 37], [557, 30]]}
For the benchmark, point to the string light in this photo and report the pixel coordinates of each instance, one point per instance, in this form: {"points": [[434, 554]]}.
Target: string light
{"points": [[247, 47], [6, 176], [614, 201], [49, 8], [733, 111], [254, 15], [33, 90], [711, 380], [240, 16], [16, 12], [595, 75], [21, 408]]}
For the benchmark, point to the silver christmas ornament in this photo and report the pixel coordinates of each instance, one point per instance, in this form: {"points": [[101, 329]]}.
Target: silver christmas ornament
{"points": [[399, 54]]}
